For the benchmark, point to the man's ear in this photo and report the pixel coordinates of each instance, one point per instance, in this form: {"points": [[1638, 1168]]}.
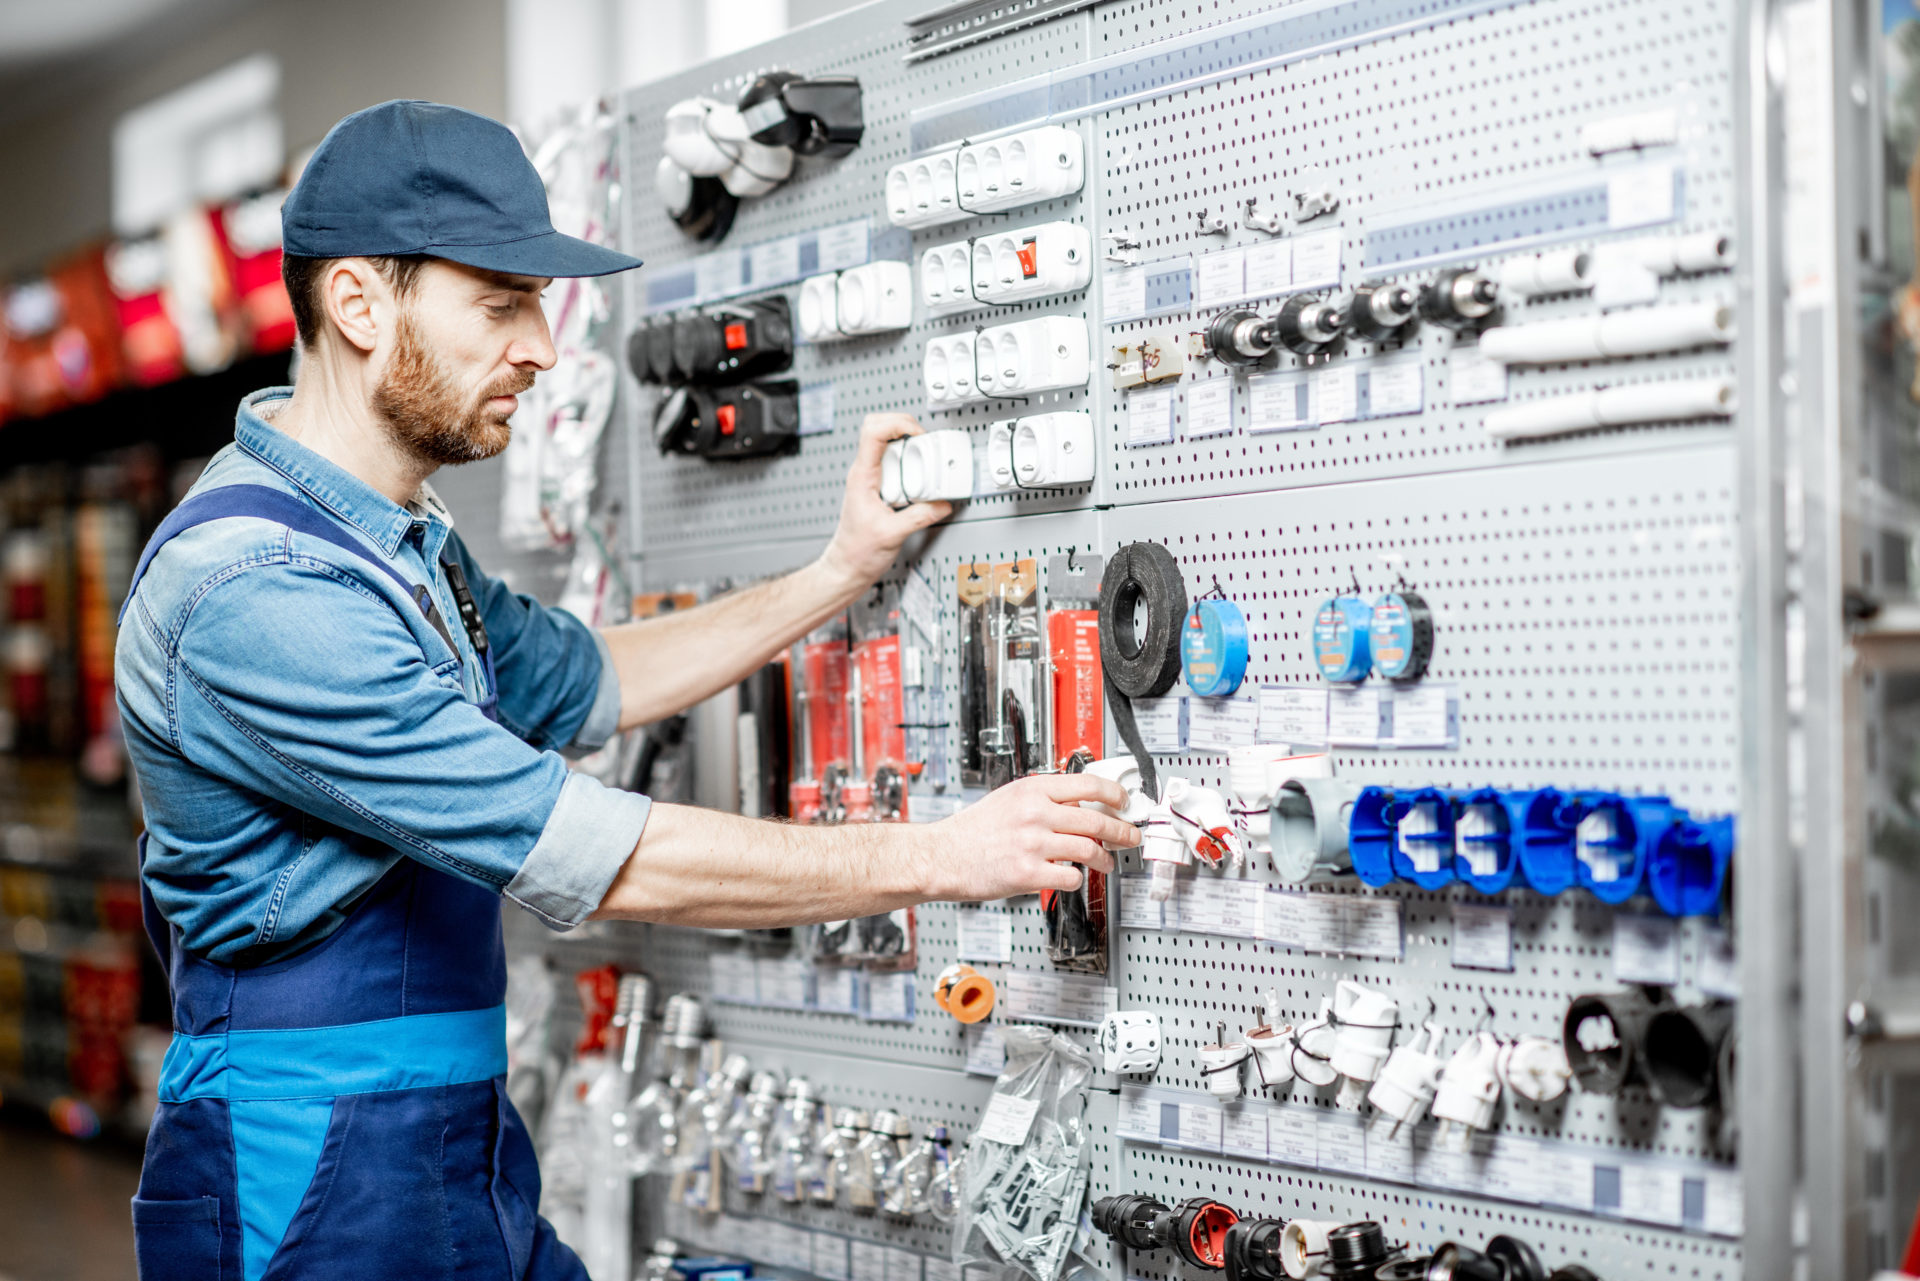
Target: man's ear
{"points": [[357, 301]]}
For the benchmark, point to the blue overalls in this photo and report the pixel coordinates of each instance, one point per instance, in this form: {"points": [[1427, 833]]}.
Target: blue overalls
{"points": [[343, 1112]]}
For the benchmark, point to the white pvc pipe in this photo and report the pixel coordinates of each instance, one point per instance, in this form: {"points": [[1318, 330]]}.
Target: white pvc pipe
{"points": [[1670, 255], [1640, 331], [1613, 407], [1563, 272]]}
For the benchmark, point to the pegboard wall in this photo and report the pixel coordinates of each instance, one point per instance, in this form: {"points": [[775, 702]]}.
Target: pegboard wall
{"points": [[1584, 587]]}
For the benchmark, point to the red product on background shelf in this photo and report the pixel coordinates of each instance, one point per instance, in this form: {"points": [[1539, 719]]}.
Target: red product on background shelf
{"points": [[599, 989], [882, 703], [250, 232], [104, 552], [34, 315], [86, 347], [149, 339], [1079, 694]]}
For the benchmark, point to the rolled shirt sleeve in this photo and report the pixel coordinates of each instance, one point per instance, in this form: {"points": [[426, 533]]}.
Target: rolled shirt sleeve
{"points": [[338, 713]]}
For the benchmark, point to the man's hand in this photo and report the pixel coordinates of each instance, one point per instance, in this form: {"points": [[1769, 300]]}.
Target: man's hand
{"points": [[1026, 837], [871, 532]]}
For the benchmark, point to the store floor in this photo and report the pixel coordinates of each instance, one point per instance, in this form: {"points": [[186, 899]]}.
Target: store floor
{"points": [[63, 1207]]}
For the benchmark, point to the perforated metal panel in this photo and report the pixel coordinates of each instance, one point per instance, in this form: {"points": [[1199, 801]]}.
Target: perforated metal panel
{"points": [[1584, 589]]}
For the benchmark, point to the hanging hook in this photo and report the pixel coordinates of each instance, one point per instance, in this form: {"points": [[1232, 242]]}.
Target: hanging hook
{"points": [[1489, 1016], [1356, 579], [1073, 551]]}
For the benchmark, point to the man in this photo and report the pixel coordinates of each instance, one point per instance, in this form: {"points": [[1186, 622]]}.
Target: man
{"points": [[346, 736]]}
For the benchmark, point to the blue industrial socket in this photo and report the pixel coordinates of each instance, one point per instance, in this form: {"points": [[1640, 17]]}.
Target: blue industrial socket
{"points": [[1687, 874], [1370, 835]]}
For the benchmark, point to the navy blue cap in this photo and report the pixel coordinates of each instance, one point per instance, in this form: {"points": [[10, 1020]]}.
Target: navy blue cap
{"points": [[411, 177]]}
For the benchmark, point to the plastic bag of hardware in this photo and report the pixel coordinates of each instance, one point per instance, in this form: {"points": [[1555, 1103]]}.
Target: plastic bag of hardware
{"points": [[1024, 1175]]}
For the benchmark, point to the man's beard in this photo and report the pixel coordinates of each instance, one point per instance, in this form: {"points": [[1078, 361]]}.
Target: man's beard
{"points": [[429, 418]]}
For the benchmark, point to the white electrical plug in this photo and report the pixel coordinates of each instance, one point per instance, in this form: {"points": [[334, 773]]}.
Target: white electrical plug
{"points": [[1271, 1046], [1535, 1068], [1469, 1091], [1365, 1019], [1130, 1041], [1220, 1067], [1203, 821], [1316, 1040], [1410, 1079]]}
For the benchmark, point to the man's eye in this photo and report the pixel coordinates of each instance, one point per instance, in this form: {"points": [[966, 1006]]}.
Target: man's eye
{"points": [[499, 311]]}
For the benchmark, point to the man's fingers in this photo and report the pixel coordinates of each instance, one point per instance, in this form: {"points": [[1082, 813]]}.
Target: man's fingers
{"points": [[1083, 787], [1094, 825], [1059, 876], [923, 515], [1075, 849], [876, 433]]}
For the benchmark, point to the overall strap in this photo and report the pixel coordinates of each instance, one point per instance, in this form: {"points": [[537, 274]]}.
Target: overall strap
{"points": [[263, 502]]}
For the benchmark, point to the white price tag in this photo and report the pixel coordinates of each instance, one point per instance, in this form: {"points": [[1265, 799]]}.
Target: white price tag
{"points": [[1426, 716], [843, 245], [1124, 293], [816, 409], [1221, 723], [1473, 379], [1293, 1136], [1007, 1119], [1646, 948], [1359, 715], [919, 606], [1725, 1213], [1139, 1116], [1198, 904], [1482, 936], [1316, 260], [775, 263], [1293, 714], [1137, 911], [1719, 967], [1372, 927], [1244, 1133], [1044, 997], [902, 1264], [1651, 1194], [1280, 402], [1269, 268], [1220, 278], [1163, 724], [1150, 416], [1640, 197], [985, 933], [938, 1269], [830, 1257], [735, 978], [1562, 1177], [837, 989], [869, 1261], [1200, 1126], [1389, 1152], [1339, 395], [890, 997], [716, 275], [986, 1050], [1239, 910], [1209, 407], [1396, 387], [1342, 1144], [785, 981]]}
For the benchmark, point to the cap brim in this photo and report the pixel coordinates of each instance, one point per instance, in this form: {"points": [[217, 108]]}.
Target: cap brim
{"points": [[553, 254]]}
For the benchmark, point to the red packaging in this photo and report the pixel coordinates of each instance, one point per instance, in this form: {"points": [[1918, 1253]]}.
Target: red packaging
{"points": [[1079, 692], [828, 732], [86, 347], [599, 989], [34, 316], [250, 233], [149, 339], [883, 701]]}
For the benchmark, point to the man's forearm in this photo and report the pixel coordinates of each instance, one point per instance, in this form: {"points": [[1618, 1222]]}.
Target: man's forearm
{"points": [[670, 663], [721, 871]]}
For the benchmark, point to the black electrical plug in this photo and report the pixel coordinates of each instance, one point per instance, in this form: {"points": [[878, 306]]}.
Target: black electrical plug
{"points": [[1196, 1230], [735, 342], [1240, 336], [1355, 1252], [814, 115], [1381, 312], [1129, 1220], [1252, 1250], [1308, 325], [1461, 298]]}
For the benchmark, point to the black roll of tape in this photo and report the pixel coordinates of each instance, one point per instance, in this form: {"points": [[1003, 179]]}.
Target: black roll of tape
{"points": [[1138, 666]]}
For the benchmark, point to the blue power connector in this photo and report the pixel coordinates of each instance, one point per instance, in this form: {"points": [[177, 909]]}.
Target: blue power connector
{"points": [[1687, 873], [1370, 835], [1423, 824], [1615, 842]]}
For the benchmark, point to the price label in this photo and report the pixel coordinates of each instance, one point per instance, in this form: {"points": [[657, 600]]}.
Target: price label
{"points": [[837, 989], [816, 409], [1220, 277], [735, 978], [829, 1255], [941, 1269], [1125, 295], [868, 1261], [1389, 1152], [843, 245], [1339, 395], [1240, 905], [718, 274], [1719, 967], [1646, 948], [1396, 387], [1209, 407], [1280, 402], [1640, 197], [1044, 997], [1293, 714], [1139, 1116], [1473, 379], [1359, 716], [1426, 716], [1269, 268], [775, 263], [986, 1050], [786, 982], [902, 1264], [1482, 937], [1316, 260], [1137, 911], [1293, 1137], [1651, 1194], [890, 997], [1220, 724], [1243, 1132], [1150, 416], [1200, 1126], [985, 933], [1007, 1119], [1163, 724], [1342, 1144], [1337, 924], [1724, 1212]]}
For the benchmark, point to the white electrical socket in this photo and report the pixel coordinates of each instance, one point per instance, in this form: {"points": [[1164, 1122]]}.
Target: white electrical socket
{"points": [[820, 309], [1051, 450], [948, 370], [1032, 262], [1042, 354], [935, 465], [875, 297], [1020, 169], [921, 193], [946, 279]]}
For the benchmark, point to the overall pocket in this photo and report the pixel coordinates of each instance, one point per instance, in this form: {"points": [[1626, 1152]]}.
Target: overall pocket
{"points": [[177, 1240]]}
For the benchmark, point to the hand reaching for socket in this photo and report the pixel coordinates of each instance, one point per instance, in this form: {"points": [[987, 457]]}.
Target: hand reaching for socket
{"points": [[1031, 835]]}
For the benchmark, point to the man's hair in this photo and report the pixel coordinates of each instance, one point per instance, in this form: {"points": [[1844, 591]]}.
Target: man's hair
{"points": [[303, 276]]}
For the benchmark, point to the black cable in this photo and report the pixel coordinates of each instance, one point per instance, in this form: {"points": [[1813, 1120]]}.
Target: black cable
{"points": [[1140, 666]]}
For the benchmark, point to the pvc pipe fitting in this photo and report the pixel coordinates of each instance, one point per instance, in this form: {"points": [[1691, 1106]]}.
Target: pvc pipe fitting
{"points": [[1626, 406], [1469, 1091], [1563, 271], [1423, 838], [1687, 873], [1639, 331], [1307, 825], [1220, 1068], [964, 992], [1370, 836], [1680, 1052], [1602, 1034], [1672, 255], [1130, 1041], [1535, 1068], [1303, 1244], [1254, 776], [1410, 1078]]}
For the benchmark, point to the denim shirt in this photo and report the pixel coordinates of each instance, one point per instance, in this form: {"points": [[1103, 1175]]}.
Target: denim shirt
{"points": [[298, 726]]}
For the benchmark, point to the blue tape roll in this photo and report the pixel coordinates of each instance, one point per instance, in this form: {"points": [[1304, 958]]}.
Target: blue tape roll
{"points": [[1400, 631], [1688, 871], [1370, 836], [1341, 645], [1213, 648]]}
